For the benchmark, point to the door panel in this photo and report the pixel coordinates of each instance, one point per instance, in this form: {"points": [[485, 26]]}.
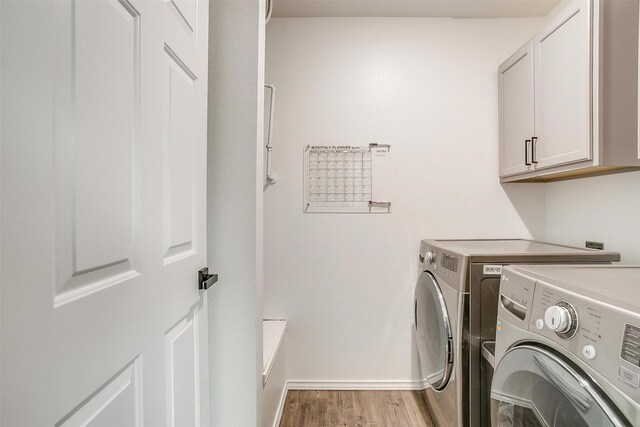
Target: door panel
{"points": [[119, 403], [182, 356], [104, 49], [179, 158], [517, 112], [563, 87], [103, 163], [185, 13], [94, 145]]}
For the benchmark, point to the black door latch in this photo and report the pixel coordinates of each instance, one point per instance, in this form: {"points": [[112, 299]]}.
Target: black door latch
{"points": [[206, 280]]}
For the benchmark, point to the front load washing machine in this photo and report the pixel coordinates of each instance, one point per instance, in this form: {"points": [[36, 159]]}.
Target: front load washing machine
{"points": [[455, 310], [567, 347]]}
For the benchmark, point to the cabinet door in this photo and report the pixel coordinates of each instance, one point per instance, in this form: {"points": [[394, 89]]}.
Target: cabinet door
{"points": [[516, 85], [563, 87]]}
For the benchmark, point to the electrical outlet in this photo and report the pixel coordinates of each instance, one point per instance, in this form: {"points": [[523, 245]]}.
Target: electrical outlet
{"points": [[594, 245]]}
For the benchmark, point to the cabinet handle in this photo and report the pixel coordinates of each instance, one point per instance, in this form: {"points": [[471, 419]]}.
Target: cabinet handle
{"points": [[534, 151], [527, 144]]}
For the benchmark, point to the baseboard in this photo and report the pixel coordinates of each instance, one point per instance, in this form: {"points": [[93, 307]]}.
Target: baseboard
{"points": [[283, 399], [356, 385]]}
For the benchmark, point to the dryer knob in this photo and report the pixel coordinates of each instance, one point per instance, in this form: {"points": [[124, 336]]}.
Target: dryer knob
{"points": [[558, 319], [430, 257]]}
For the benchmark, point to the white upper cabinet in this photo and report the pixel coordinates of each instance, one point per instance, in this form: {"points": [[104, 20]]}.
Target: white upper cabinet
{"points": [[516, 112], [563, 88], [568, 83]]}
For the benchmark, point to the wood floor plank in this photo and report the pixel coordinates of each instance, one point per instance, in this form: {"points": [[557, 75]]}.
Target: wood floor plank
{"points": [[359, 410], [304, 413], [371, 410], [355, 408], [291, 408], [397, 411], [346, 407], [333, 417], [417, 409]]}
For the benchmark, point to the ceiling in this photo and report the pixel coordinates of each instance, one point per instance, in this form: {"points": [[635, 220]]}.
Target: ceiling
{"points": [[412, 8]]}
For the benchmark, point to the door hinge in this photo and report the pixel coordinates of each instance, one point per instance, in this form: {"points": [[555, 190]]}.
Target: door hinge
{"points": [[206, 280]]}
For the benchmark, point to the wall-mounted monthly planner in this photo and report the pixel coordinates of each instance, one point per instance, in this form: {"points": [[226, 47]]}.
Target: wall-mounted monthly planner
{"points": [[347, 179]]}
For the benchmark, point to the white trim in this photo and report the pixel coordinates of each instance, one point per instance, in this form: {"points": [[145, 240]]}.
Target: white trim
{"points": [[272, 337], [356, 385], [283, 399]]}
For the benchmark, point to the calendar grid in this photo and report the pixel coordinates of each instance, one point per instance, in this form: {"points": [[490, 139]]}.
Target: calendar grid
{"points": [[340, 176], [341, 179]]}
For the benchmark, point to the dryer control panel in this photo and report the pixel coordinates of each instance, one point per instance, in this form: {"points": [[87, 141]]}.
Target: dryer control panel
{"points": [[449, 262], [447, 266]]}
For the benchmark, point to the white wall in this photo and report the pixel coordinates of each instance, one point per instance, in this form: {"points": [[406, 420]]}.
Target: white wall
{"points": [[234, 209], [605, 209], [428, 87]]}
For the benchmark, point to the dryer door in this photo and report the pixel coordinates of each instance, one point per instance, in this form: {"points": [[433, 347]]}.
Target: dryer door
{"points": [[533, 386], [433, 332]]}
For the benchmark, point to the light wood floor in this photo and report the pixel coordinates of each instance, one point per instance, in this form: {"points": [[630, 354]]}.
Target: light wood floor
{"points": [[305, 408]]}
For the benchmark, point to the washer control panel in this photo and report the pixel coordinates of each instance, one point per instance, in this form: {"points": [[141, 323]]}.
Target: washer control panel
{"points": [[565, 317], [604, 337], [589, 352], [631, 344]]}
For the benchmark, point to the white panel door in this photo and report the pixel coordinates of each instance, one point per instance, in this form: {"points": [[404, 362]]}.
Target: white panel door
{"points": [[563, 87], [517, 112], [103, 186]]}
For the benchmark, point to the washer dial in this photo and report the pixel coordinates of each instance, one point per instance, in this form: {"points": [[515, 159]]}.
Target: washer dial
{"points": [[557, 319], [562, 319]]}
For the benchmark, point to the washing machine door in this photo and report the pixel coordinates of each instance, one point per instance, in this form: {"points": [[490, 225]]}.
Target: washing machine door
{"points": [[533, 386], [433, 332]]}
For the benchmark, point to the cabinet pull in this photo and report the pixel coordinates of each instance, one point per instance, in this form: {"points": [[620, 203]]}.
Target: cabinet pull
{"points": [[534, 151], [527, 144]]}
